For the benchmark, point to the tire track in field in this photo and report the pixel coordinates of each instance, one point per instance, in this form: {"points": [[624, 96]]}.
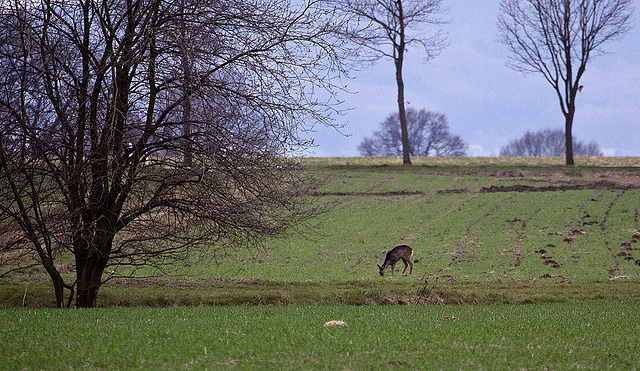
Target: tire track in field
{"points": [[449, 210], [603, 229], [465, 241], [573, 229], [517, 249], [635, 217], [361, 259], [627, 248]]}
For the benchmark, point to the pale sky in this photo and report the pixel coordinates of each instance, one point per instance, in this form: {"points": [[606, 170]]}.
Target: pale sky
{"points": [[489, 104]]}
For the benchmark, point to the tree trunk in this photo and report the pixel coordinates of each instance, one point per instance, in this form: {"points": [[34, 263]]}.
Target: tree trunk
{"points": [[91, 262], [186, 132], [58, 283], [186, 103], [58, 288], [399, 61], [406, 148], [87, 297], [568, 126], [89, 280]]}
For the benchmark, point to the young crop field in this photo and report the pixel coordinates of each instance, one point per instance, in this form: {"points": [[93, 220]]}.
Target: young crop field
{"points": [[478, 223], [559, 336]]}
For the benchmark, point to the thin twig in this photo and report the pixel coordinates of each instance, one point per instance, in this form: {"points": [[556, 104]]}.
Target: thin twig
{"points": [[25, 293]]}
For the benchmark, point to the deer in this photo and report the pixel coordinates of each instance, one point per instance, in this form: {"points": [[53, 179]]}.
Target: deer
{"points": [[401, 252]]}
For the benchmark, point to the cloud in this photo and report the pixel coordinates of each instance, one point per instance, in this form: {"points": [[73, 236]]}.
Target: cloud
{"points": [[476, 150]]}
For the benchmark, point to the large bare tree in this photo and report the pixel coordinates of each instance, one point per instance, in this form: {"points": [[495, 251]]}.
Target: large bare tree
{"points": [[135, 131], [387, 28], [558, 38]]}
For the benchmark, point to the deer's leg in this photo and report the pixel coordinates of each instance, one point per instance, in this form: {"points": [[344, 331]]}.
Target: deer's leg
{"points": [[405, 265], [411, 265]]}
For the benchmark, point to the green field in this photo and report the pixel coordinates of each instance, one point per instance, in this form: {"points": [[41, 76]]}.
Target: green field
{"points": [[598, 335], [547, 256], [483, 230], [478, 223]]}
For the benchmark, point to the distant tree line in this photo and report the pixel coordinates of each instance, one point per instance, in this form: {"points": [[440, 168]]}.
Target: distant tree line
{"points": [[548, 143], [428, 134]]}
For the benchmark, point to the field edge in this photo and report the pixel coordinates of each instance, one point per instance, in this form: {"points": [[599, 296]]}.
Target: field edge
{"points": [[169, 292]]}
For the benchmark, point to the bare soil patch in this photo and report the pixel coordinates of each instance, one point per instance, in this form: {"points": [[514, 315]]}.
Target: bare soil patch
{"points": [[596, 185], [379, 194], [565, 186]]}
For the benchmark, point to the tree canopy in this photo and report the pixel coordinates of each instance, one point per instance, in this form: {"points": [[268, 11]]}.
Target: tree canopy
{"points": [[557, 39], [386, 28]]}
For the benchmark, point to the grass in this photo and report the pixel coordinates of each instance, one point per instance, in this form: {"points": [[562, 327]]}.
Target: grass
{"points": [[485, 237], [475, 162], [594, 335], [473, 222], [459, 231], [398, 291]]}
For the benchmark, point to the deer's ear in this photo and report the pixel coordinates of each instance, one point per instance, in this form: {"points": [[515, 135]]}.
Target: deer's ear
{"points": [[379, 266]]}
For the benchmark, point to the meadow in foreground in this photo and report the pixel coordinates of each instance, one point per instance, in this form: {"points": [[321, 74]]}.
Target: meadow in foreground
{"points": [[591, 335]]}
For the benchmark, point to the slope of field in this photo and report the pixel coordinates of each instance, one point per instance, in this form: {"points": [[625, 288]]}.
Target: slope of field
{"points": [[483, 230], [467, 220]]}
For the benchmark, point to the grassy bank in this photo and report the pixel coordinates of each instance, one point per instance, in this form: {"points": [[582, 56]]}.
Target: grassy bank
{"points": [[406, 291]]}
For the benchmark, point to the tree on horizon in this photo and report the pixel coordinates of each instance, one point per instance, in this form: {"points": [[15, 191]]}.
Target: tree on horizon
{"points": [[386, 28], [547, 142], [428, 134]]}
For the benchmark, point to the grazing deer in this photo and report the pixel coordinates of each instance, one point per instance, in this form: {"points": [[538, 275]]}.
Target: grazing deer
{"points": [[402, 252]]}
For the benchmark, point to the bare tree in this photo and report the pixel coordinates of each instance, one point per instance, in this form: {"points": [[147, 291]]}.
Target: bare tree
{"points": [[548, 143], [387, 28], [428, 134], [103, 103], [557, 38]]}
